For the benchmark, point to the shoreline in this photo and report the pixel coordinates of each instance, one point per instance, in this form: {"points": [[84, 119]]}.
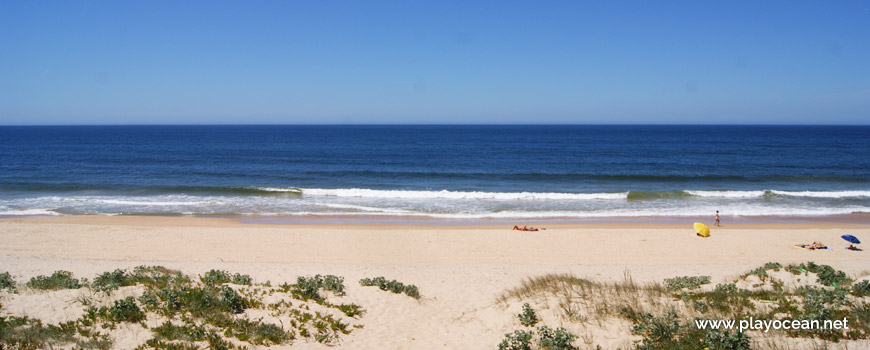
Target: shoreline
{"points": [[859, 218]]}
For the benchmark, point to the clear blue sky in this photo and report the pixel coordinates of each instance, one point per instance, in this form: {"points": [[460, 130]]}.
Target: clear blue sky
{"points": [[217, 62]]}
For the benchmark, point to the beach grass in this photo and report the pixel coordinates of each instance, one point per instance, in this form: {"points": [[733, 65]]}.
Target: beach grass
{"points": [[663, 316], [205, 314], [558, 311]]}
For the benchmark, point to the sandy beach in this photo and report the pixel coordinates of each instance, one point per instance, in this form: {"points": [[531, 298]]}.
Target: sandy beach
{"points": [[320, 175], [461, 271]]}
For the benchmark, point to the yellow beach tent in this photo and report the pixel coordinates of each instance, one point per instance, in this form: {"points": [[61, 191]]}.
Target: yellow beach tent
{"points": [[702, 229]]}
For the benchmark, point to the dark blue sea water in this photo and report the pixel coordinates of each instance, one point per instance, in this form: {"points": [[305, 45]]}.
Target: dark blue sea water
{"points": [[436, 171]]}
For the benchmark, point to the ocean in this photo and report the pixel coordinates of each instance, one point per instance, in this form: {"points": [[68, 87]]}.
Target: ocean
{"points": [[552, 172]]}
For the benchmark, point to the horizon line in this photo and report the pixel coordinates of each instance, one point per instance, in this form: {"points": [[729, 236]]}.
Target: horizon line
{"points": [[437, 124]]}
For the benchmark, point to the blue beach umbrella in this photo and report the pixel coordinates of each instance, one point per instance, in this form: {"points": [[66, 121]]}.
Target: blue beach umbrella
{"points": [[851, 239]]}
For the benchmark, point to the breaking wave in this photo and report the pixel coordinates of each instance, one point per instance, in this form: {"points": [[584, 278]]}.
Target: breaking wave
{"points": [[445, 194]]}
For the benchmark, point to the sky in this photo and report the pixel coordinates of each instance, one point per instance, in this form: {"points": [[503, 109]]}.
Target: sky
{"points": [[455, 62]]}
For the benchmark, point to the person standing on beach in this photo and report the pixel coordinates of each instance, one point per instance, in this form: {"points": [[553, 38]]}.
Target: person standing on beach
{"points": [[717, 218]]}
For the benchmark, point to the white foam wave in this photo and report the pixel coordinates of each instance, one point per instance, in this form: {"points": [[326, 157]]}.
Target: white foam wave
{"points": [[365, 208], [758, 194], [663, 212], [576, 215], [727, 194], [402, 194], [28, 212], [453, 204], [148, 203], [277, 189], [823, 194]]}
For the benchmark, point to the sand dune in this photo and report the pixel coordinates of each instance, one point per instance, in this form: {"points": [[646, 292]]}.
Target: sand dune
{"points": [[460, 270]]}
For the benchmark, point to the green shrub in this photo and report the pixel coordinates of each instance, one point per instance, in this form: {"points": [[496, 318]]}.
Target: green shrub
{"points": [[160, 344], [58, 280], [727, 288], [666, 332], [333, 284], [219, 277], [97, 343], [308, 287], [216, 342], [351, 310], [28, 333], [701, 306], [558, 339], [690, 282], [126, 310], [794, 269], [760, 271], [203, 302], [215, 277], [109, 281], [232, 301], [206, 311], [411, 291], [258, 333], [380, 282], [159, 277], [657, 332], [169, 331], [772, 266], [821, 304], [241, 279], [391, 285], [829, 276], [395, 286], [726, 341], [171, 299], [149, 300], [528, 317], [6, 281], [861, 289], [518, 340], [726, 297], [816, 298]]}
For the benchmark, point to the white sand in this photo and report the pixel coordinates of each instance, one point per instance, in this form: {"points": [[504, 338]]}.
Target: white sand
{"points": [[460, 270]]}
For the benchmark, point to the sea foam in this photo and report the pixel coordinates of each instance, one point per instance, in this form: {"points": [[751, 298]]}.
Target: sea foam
{"points": [[28, 212], [445, 194]]}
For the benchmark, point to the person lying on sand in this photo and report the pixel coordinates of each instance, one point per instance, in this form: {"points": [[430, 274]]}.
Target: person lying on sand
{"points": [[851, 247], [814, 246], [525, 228]]}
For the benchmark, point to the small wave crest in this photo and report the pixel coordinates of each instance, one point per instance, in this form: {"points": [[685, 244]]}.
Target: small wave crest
{"points": [[774, 193], [271, 189], [631, 195], [147, 203], [636, 195], [28, 212], [367, 209], [728, 194], [823, 194], [408, 194], [565, 214]]}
